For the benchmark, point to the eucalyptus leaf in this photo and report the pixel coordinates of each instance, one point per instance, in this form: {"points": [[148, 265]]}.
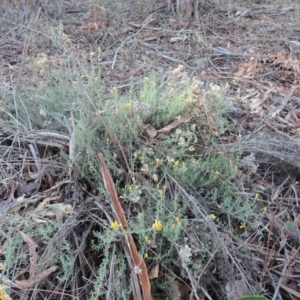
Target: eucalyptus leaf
{"points": [[253, 298], [289, 225]]}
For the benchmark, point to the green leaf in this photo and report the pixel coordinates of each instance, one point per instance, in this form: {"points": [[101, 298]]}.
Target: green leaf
{"points": [[289, 225], [253, 298]]}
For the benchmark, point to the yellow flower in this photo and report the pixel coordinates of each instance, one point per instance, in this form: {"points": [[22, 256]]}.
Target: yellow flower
{"points": [[146, 79], [178, 221], [191, 148], [98, 113], [160, 192], [268, 230], [169, 159], [157, 161], [43, 113], [65, 38], [214, 87], [212, 216], [181, 141], [114, 91], [217, 172], [3, 293], [178, 70], [243, 225], [147, 240], [256, 196], [67, 209], [157, 225], [129, 104], [146, 255], [175, 165], [265, 209], [115, 225]]}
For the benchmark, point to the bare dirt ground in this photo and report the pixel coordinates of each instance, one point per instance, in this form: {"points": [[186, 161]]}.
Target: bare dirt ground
{"points": [[253, 47]]}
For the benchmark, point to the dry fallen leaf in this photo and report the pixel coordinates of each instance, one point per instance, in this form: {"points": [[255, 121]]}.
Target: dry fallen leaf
{"points": [[288, 275], [30, 187], [173, 125], [151, 131], [154, 272], [49, 178], [174, 287], [25, 284], [128, 74], [175, 39], [46, 200], [290, 290], [236, 289], [155, 177], [33, 254], [250, 69], [193, 127], [37, 220]]}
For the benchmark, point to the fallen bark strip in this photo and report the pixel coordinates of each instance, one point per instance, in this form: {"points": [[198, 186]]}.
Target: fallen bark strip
{"points": [[138, 263]]}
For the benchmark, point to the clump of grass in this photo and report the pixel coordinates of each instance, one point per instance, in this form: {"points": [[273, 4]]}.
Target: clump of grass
{"points": [[16, 255], [148, 171]]}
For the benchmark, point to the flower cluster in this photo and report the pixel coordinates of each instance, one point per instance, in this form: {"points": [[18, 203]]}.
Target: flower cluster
{"points": [[115, 225], [157, 225]]}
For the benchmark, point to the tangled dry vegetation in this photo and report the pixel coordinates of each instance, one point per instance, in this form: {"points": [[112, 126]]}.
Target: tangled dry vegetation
{"points": [[149, 151]]}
